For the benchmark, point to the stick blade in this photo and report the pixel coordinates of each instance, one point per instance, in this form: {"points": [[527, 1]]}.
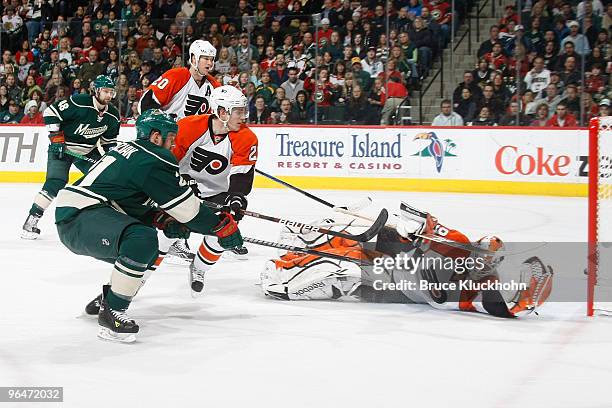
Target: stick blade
{"points": [[375, 228]]}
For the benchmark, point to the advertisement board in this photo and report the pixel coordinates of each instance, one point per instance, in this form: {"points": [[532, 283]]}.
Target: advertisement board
{"points": [[481, 160]]}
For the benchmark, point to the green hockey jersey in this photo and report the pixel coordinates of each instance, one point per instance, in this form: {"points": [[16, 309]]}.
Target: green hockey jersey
{"points": [[82, 123], [133, 179]]}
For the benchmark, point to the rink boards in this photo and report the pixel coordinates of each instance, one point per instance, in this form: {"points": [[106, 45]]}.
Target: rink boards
{"points": [[542, 161]]}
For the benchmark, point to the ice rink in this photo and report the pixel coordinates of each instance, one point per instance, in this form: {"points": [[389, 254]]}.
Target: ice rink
{"points": [[234, 348]]}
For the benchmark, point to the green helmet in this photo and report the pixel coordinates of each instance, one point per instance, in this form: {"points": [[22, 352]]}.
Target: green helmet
{"points": [[103, 81], [154, 119]]}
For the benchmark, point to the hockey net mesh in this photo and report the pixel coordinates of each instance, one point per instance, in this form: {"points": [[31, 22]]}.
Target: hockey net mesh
{"points": [[603, 219]]}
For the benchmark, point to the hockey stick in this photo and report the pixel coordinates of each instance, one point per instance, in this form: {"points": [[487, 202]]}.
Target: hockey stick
{"points": [[365, 236], [358, 206], [305, 251], [79, 156]]}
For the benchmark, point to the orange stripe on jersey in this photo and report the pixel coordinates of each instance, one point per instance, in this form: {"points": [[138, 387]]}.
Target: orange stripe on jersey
{"points": [[170, 83], [207, 255], [190, 129], [244, 147], [213, 81]]}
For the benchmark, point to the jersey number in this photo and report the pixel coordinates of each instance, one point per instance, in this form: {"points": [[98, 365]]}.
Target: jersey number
{"points": [[161, 82], [62, 105], [253, 154]]}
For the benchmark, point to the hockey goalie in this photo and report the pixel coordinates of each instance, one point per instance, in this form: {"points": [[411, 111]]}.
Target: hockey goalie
{"points": [[418, 261]]}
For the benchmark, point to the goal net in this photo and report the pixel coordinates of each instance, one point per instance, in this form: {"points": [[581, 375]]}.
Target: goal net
{"points": [[600, 216]]}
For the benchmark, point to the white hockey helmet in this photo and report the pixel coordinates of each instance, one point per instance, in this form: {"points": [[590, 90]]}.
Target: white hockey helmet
{"points": [[201, 48], [228, 97]]}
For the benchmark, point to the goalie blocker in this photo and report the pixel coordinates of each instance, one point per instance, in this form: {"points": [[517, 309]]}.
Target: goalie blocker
{"points": [[473, 288]]}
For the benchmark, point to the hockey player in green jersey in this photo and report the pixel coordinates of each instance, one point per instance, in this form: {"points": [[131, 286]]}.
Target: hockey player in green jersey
{"points": [[76, 125], [110, 214]]}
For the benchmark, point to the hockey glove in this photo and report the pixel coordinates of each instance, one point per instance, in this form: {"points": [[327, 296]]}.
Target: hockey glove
{"points": [[171, 227], [192, 184], [236, 203], [227, 231], [58, 143]]}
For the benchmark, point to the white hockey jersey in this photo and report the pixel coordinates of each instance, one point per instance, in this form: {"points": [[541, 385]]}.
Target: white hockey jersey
{"points": [[179, 94], [211, 159]]}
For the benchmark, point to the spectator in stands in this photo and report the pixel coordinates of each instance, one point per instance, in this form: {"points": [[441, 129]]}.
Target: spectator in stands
{"points": [[570, 74], [279, 73], [359, 75], [376, 99], [13, 115], [468, 82], [283, 116], [4, 99], [339, 73], [482, 73], [495, 105], [126, 104], [396, 94], [597, 57], [572, 100], [371, 64], [487, 46], [358, 110], [550, 56], [500, 90], [513, 116], [542, 116], [422, 38], [14, 90], [12, 24], [279, 95], [465, 105], [266, 89], [552, 97], [447, 117], [604, 108], [232, 77], [484, 118], [562, 118], [90, 69], [261, 114], [496, 59], [159, 64], [595, 81], [245, 53], [302, 110], [32, 115], [293, 84], [568, 52], [534, 37], [538, 78], [580, 42], [37, 96]]}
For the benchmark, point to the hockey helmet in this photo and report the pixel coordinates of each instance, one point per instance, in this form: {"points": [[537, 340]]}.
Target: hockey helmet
{"points": [[228, 97], [201, 48], [104, 81], [152, 120]]}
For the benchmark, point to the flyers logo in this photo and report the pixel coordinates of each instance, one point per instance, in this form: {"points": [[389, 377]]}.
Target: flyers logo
{"points": [[212, 163], [438, 296], [196, 105]]}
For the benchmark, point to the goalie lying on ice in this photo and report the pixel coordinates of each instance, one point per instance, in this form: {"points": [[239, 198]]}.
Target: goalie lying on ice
{"points": [[420, 261]]}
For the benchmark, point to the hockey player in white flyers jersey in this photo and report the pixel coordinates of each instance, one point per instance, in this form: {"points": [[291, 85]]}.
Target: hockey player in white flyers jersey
{"points": [[296, 276]]}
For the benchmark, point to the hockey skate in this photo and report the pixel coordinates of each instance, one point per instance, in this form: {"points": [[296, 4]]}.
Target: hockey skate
{"points": [[30, 229], [239, 253], [93, 307], [115, 325], [196, 280], [180, 253]]}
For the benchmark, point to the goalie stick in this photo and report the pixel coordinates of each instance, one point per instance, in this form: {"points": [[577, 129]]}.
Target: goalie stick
{"points": [[352, 212], [355, 207], [365, 236], [308, 251]]}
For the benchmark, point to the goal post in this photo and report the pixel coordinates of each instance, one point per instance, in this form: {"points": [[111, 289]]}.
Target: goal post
{"points": [[599, 206]]}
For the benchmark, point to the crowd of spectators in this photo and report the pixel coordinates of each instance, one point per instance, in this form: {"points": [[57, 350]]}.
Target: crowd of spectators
{"points": [[548, 66], [352, 64]]}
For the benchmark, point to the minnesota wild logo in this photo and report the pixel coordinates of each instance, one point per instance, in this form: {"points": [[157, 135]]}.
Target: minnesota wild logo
{"points": [[438, 149]]}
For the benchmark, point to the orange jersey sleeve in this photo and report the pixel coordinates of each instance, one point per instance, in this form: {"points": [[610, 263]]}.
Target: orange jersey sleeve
{"points": [[244, 147], [213, 81], [169, 84], [190, 128]]}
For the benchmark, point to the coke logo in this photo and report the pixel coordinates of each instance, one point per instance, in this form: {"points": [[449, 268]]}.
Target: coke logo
{"points": [[509, 161]]}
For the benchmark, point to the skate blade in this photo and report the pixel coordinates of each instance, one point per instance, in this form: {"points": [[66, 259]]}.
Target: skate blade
{"points": [[232, 255], [106, 334], [175, 260], [29, 235]]}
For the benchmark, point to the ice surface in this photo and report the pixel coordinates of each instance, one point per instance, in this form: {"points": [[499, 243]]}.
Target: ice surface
{"points": [[235, 348]]}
